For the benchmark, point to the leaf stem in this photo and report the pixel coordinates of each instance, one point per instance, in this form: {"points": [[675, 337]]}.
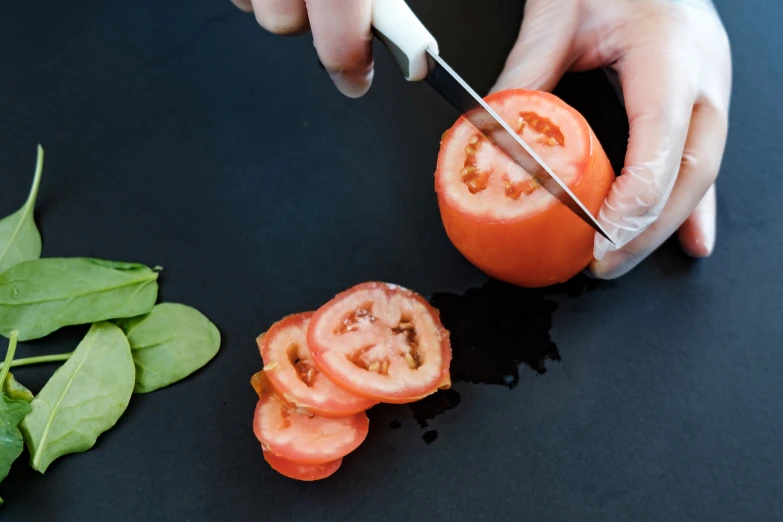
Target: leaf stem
{"points": [[9, 357], [37, 179], [37, 360]]}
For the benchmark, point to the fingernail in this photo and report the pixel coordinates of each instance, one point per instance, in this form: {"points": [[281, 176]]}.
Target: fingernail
{"points": [[243, 5], [699, 246], [615, 264], [602, 246], [587, 272], [353, 84], [282, 23], [708, 233]]}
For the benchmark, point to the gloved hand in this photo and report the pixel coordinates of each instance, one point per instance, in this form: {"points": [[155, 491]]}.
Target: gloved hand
{"points": [[341, 33], [674, 65]]}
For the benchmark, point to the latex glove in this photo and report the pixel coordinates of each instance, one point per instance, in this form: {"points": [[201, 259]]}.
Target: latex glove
{"points": [[674, 66], [341, 34]]}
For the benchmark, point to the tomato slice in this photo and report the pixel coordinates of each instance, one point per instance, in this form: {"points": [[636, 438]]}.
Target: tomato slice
{"points": [[298, 471], [498, 216], [257, 382], [295, 377], [381, 341], [303, 438]]}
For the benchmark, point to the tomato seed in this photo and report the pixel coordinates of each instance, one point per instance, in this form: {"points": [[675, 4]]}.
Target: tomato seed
{"points": [[516, 189], [545, 126], [477, 182], [350, 322]]}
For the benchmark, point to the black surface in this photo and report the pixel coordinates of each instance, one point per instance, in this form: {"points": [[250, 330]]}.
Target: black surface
{"points": [[180, 134]]}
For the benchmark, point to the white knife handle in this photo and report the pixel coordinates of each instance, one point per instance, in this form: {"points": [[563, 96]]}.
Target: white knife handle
{"points": [[404, 35]]}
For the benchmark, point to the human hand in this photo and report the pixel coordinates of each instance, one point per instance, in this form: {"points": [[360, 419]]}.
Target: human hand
{"points": [[674, 65], [341, 33]]}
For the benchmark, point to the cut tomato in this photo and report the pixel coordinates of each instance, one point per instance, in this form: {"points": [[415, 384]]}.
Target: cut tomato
{"points": [[303, 438], [382, 342], [498, 216], [298, 471], [257, 382], [295, 377]]}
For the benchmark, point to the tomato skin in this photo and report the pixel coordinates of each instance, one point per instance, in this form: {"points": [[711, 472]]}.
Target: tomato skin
{"points": [[322, 396], [303, 472], [304, 438], [318, 349], [540, 250]]}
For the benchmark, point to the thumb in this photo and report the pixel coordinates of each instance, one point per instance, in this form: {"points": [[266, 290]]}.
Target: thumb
{"points": [[542, 53]]}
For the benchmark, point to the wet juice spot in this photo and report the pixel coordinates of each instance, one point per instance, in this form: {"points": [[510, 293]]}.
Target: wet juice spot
{"points": [[494, 330]]}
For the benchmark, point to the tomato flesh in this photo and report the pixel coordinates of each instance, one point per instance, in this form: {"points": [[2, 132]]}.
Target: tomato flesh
{"points": [[498, 216], [295, 377], [303, 438], [299, 471], [382, 342]]}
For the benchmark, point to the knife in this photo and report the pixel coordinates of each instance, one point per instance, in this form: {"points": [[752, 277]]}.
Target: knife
{"points": [[417, 54]]}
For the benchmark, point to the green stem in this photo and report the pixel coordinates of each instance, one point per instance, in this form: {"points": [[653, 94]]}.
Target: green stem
{"points": [[9, 357], [37, 179], [37, 360]]}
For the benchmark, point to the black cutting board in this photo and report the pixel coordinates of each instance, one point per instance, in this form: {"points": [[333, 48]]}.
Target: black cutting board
{"points": [[180, 134]]}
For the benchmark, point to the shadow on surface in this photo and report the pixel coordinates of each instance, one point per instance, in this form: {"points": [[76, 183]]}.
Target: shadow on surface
{"points": [[494, 330]]}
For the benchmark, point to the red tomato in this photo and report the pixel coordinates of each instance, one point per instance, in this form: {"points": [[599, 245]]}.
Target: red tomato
{"points": [[497, 215], [304, 438], [295, 377], [382, 342], [295, 470]]}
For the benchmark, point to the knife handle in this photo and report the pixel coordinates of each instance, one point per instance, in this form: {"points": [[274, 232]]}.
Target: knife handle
{"points": [[404, 35]]}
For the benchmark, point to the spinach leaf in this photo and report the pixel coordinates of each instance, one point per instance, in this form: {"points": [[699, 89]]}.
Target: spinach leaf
{"points": [[84, 398], [14, 390], [40, 296], [168, 344], [19, 237], [11, 414]]}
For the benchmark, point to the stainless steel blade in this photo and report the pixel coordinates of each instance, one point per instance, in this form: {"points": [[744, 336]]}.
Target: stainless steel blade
{"points": [[454, 89]]}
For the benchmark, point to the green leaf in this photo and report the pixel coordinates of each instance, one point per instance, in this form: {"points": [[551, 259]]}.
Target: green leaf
{"points": [[85, 397], [14, 390], [11, 414], [168, 344], [19, 237], [40, 296]]}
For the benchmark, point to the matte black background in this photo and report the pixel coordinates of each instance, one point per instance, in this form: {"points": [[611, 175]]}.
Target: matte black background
{"points": [[178, 133]]}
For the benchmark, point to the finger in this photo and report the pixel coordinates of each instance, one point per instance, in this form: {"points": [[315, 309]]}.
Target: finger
{"points": [[342, 37], [243, 5], [280, 16], [699, 168], [697, 234], [659, 94], [542, 53]]}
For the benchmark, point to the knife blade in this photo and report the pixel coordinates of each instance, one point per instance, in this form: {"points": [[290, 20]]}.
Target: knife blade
{"points": [[416, 51], [459, 94]]}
